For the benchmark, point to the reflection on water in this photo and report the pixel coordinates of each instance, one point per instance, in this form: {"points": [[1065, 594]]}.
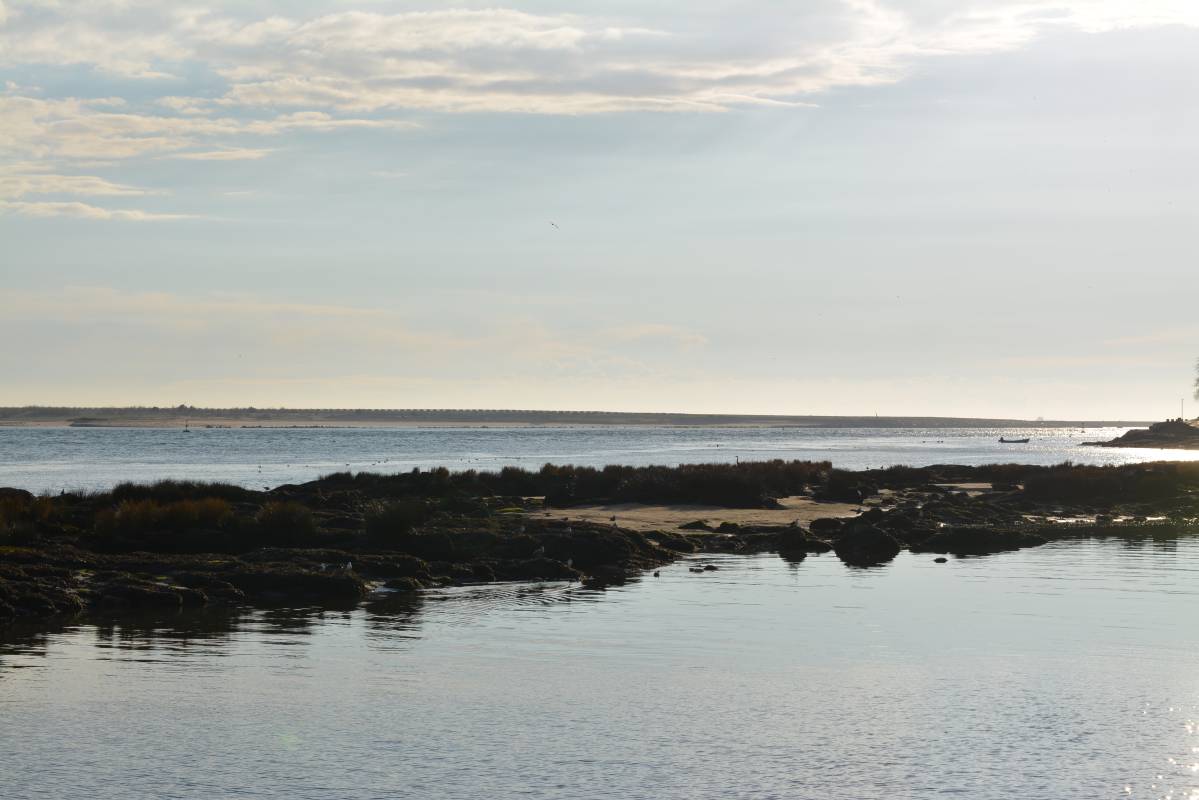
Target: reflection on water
{"points": [[1067, 671]]}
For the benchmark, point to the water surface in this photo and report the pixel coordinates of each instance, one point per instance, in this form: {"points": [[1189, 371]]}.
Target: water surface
{"points": [[1067, 671], [54, 459]]}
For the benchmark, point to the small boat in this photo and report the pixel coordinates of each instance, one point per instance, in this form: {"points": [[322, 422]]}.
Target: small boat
{"points": [[1012, 441]]}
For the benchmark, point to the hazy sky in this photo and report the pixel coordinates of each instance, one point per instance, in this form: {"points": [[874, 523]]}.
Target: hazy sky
{"points": [[967, 207]]}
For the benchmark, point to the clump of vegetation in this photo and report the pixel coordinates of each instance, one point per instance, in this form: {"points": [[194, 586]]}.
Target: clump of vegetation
{"points": [[1139, 483], [21, 512], [285, 522], [171, 491], [748, 485], [141, 517]]}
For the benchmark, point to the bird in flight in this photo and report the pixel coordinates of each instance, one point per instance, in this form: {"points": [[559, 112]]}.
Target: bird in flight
{"points": [[555, 224]]}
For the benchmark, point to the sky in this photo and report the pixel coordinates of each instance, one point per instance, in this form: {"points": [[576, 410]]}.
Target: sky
{"points": [[941, 207]]}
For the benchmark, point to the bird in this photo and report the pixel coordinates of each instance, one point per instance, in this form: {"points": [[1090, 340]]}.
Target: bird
{"points": [[555, 224]]}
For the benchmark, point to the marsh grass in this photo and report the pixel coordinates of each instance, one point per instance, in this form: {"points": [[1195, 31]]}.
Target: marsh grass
{"points": [[285, 522], [141, 517]]}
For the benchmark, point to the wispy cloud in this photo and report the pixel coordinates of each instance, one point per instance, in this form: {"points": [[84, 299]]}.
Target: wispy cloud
{"points": [[228, 154], [353, 61], [85, 211], [21, 183]]}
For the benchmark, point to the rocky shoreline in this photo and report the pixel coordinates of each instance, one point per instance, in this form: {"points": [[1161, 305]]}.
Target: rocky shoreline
{"points": [[343, 538], [1173, 434]]}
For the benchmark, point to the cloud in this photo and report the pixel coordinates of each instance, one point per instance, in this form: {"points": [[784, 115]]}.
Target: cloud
{"points": [[85, 211], [209, 81], [338, 61], [229, 154], [656, 331], [34, 180], [74, 128], [17, 183]]}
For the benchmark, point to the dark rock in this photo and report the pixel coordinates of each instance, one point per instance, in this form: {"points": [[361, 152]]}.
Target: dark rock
{"points": [[913, 536], [213, 588], [865, 545], [591, 547], [697, 525], [710, 568], [975, 541], [295, 582], [673, 541], [940, 560], [16, 495], [603, 577], [826, 526], [535, 569], [795, 540], [130, 592], [404, 584]]}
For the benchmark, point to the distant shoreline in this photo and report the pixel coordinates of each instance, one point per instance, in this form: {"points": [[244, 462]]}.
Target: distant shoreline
{"points": [[44, 416]]}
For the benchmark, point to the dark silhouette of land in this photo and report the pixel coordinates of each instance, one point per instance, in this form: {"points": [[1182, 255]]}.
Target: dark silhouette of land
{"points": [[1173, 434], [336, 540], [449, 417]]}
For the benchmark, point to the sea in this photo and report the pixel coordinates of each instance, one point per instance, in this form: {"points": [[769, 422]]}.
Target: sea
{"points": [[1059, 672], [94, 459]]}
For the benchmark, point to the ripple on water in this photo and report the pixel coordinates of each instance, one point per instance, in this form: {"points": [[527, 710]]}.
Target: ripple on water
{"points": [[1067, 671]]}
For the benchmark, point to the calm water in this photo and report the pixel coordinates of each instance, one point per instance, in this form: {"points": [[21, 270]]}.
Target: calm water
{"points": [[52, 459], [1068, 671]]}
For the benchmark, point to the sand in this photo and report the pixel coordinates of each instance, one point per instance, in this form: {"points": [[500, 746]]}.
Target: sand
{"points": [[636, 516]]}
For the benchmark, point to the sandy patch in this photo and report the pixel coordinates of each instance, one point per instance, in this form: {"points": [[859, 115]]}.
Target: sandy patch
{"points": [[636, 516]]}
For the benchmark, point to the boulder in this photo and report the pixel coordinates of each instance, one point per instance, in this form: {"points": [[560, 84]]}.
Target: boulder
{"points": [[796, 540], [866, 545]]}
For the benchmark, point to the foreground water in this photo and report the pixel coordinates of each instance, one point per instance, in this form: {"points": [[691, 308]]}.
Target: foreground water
{"points": [[55, 459], [1067, 671]]}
